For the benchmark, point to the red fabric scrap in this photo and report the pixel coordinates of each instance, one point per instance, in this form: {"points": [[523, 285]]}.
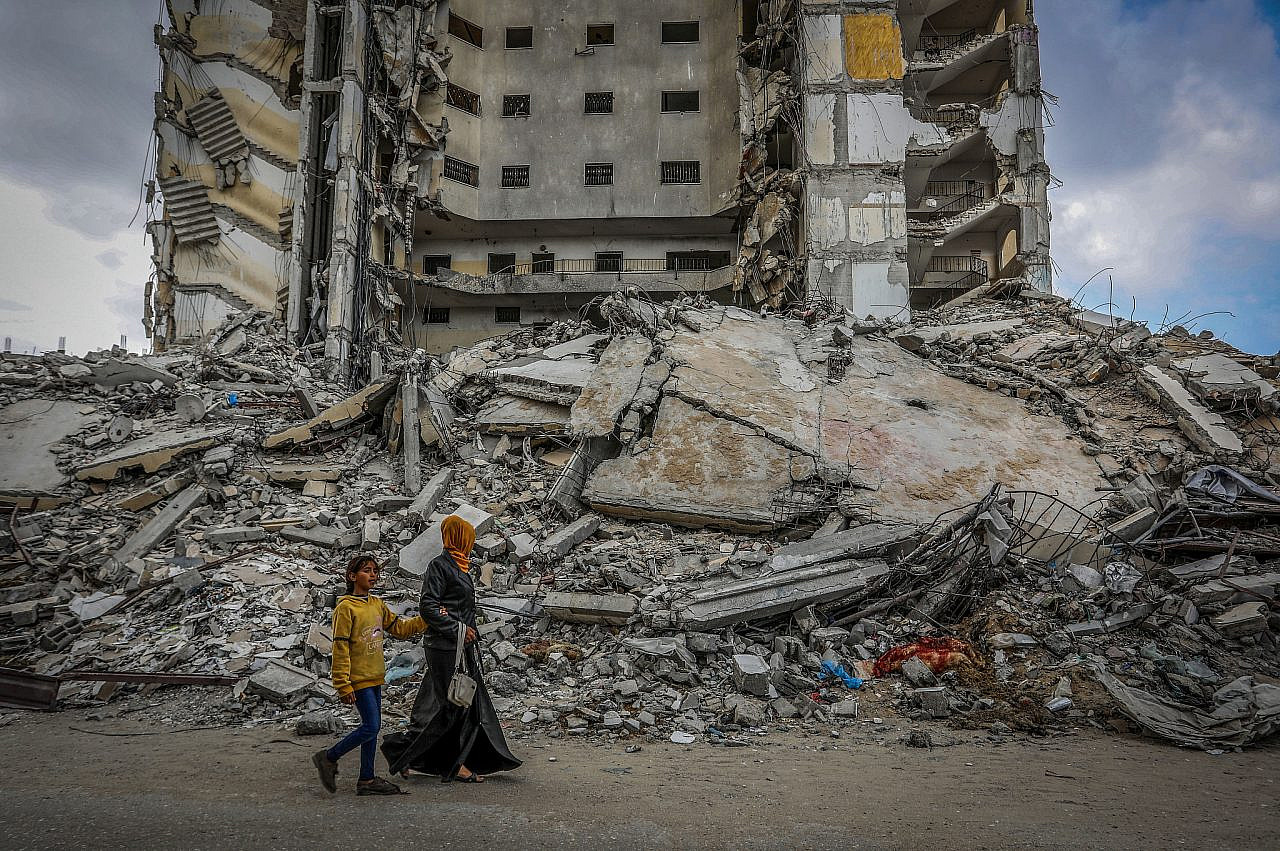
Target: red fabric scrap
{"points": [[938, 653]]}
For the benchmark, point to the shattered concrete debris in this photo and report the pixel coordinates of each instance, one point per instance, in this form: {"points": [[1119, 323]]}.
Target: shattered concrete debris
{"points": [[696, 525]]}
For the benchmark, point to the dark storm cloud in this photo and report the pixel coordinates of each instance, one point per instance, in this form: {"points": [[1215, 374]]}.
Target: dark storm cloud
{"points": [[76, 106]]}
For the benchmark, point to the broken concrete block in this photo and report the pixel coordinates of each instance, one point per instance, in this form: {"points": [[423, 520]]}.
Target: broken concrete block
{"points": [[23, 613], [281, 683], [918, 673], [432, 492], [847, 708], [371, 533], [1206, 429], [158, 528], [867, 540], [563, 540], [778, 593], [149, 453], [116, 371], [415, 557], [364, 404], [235, 534], [932, 700], [1239, 621], [614, 609], [318, 535], [612, 386], [491, 546], [1218, 380], [751, 674], [1215, 591]]}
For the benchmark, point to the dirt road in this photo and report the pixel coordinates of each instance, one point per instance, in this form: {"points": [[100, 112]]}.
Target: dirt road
{"points": [[63, 787]]}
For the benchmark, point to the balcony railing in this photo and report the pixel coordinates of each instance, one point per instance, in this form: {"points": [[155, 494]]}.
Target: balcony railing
{"points": [[932, 46], [951, 263], [614, 265], [959, 195], [948, 116]]}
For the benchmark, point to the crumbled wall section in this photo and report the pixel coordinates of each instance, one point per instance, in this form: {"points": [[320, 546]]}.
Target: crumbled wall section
{"points": [[226, 159]]}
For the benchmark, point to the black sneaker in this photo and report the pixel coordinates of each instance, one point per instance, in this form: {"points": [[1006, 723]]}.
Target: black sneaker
{"points": [[377, 786], [328, 770]]}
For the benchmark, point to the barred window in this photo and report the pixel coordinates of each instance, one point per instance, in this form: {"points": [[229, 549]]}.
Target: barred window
{"points": [[436, 315], [599, 103], [680, 101], [499, 263], [681, 171], [515, 105], [543, 262], [515, 176], [464, 99], [465, 30], [506, 315], [433, 263], [608, 261], [599, 174], [463, 172]]}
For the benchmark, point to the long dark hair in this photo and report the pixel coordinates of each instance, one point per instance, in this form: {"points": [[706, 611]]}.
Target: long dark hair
{"points": [[354, 565]]}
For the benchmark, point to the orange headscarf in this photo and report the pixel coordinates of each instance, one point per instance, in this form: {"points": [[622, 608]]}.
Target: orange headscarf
{"points": [[459, 537]]}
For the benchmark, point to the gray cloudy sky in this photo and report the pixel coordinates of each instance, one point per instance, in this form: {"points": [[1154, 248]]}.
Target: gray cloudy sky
{"points": [[1168, 118]]}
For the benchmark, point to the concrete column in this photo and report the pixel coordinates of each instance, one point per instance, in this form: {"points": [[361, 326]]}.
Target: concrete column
{"points": [[302, 205], [857, 129]]}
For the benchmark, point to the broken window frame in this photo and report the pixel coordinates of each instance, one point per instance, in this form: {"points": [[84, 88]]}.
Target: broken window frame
{"points": [[501, 262], [671, 98], [515, 177], [506, 314], [697, 32], [461, 171], [603, 175], [462, 99], [674, 172], [433, 263], [517, 106], [601, 98], [510, 46], [465, 31], [609, 261], [435, 315], [600, 33]]}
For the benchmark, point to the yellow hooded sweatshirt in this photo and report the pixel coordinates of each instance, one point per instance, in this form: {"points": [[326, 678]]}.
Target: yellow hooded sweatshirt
{"points": [[359, 626]]}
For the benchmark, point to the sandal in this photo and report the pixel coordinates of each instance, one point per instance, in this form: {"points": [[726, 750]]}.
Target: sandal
{"points": [[458, 778], [378, 786]]}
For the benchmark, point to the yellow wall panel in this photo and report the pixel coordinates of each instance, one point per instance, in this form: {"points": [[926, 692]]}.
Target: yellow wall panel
{"points": [[872, 47]]}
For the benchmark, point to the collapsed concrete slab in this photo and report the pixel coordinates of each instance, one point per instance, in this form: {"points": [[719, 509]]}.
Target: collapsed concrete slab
{"points": [[150, 453], [415, 557], [1207, 430], [746, 435], [545, 380], [613, 609], [158, 528], [516, 415], [1219, 380], [28, 431], [612, 387], [116, 371], [338, 419], [778, 593], [871, 539], [427, 499]]}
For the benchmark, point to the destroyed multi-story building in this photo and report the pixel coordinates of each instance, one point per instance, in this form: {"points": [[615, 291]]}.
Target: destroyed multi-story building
{"points": [[434, 172]]}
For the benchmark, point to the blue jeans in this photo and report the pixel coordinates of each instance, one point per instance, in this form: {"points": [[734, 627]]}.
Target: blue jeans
{"points": [[369, 705]]}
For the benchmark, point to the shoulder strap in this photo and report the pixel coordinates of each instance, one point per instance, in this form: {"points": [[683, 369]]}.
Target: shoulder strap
{"points": [[462, 639]]}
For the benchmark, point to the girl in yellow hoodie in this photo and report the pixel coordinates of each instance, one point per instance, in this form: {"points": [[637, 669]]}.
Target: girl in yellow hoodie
{"points": [[360, 623]]}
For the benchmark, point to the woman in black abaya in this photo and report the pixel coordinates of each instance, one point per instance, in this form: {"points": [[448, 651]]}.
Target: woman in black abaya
{"points": [[457, 743]]}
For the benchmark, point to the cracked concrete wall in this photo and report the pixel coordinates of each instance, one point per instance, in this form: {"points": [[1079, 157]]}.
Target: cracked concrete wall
{"points": [[857, 129]]}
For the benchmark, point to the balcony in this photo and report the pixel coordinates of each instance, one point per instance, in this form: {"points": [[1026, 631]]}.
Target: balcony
{"points": [[606, 272], [946, 276], [952, 197]]}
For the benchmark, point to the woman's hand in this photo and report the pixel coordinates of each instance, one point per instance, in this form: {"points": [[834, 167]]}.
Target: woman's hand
{"points": [[471, 635], [348, 698]]}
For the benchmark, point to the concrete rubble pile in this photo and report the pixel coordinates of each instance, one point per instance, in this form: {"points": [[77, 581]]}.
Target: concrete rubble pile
{"points": [[694, 521]]}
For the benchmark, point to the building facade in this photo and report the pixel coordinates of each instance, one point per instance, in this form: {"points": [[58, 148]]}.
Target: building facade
{"points": [[434, 172]]}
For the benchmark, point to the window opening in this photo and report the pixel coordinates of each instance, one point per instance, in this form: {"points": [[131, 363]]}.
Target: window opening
{"points": [[681, 171], [437, 315], [463, 99], [608, 261], [679, 32], [501, 263], [506, 315], [599, 34], [463, 172], [543, 263], [465, 30], [599, 174], [519, 38], [433, 263], [515, 105], [515, 176], [680, 101], [599, 103]]}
